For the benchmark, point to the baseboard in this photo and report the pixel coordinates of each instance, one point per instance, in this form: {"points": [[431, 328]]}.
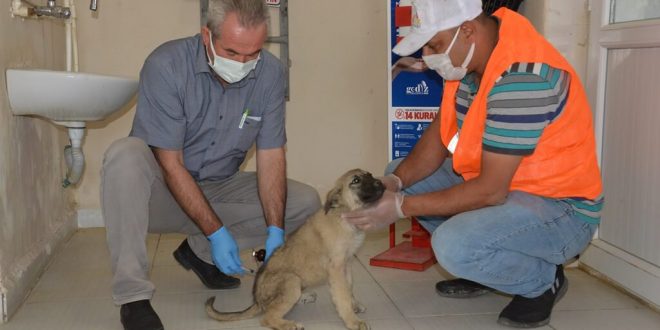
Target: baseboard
{"points": [[28, 269], [625, 271], [90, 218]]}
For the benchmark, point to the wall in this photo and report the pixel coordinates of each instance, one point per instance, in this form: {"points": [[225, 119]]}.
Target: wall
{"points": [[337, 116], [566, 25], [116, 40], [36, 213], [336, 119]]}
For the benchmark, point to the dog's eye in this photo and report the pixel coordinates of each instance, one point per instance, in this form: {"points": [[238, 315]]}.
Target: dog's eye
{"points": [[355, 180]]}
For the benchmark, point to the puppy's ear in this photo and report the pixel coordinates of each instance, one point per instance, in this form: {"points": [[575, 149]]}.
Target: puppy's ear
{"points": [[332, 199]]}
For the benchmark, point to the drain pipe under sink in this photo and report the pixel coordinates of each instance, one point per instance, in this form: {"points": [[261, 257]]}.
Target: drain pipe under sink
{"points": [[73, 155]]}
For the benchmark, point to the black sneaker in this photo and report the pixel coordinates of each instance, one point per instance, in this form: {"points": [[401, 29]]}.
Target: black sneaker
{"points": [[209, 274], [461, 288], [139, 315], [524, 312]]}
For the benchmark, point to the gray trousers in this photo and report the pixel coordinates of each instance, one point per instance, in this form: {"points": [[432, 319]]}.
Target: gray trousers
{"points": [[136, 201]]}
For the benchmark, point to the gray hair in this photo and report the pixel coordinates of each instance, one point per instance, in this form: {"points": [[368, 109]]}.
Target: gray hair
{"points": [[250, 13]]}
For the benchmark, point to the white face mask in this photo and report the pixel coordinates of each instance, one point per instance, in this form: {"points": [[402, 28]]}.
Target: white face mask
{"points": [[441, 63], [229, 70]]}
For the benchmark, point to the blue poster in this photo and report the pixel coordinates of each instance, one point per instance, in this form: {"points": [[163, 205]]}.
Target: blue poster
{"points": [[415, 91], [413, 85]]}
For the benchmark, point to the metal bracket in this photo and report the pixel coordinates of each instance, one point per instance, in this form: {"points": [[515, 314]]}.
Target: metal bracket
{"points": [[3, 308], [283, 40]]}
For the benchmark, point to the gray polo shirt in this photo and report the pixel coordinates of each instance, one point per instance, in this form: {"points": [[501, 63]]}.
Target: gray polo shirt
{"points": [[182, 106]]}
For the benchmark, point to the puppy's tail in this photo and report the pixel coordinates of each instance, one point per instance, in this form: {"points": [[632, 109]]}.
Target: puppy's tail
{"points": [[249, 312]]}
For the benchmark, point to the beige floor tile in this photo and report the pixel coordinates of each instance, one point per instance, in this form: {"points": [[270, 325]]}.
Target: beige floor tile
{"points": [[74, 293], [384, 274], [368, 294], [63, 286], [586, 292], [152, 247], [81, 270], [87, 249], [382, 324], [89, 314], [419, 299], [616, 319], [462, 322], [187, 312], [390, 324], [359, 271]]}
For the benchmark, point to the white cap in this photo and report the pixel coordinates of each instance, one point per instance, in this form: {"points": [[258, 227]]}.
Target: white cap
{"points": [[432, 16]]}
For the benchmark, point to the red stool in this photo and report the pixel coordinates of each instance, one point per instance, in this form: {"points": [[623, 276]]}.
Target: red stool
{"points": [[415, 254]]}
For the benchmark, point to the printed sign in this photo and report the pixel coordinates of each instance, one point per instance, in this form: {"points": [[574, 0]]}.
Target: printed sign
{"points": [[414, 91], [405, 135]]}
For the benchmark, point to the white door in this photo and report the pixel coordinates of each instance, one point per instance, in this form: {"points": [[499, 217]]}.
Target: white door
{"points": [[623, 82]]}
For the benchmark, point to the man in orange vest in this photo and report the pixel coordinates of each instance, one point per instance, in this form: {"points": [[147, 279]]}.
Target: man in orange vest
{"points": [[506, 177]]}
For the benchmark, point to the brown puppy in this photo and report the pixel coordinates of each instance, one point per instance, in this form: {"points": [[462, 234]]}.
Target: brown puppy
{"points": [[318, 252]]}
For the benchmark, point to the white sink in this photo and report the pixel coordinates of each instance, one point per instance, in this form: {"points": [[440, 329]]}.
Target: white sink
{"points": [[65, 97]]}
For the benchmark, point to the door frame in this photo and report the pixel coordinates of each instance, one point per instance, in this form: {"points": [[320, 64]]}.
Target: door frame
{"points": [[631, 273]]}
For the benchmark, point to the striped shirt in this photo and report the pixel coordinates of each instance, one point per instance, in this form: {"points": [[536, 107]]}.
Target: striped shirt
{"points": [[525, 99]]}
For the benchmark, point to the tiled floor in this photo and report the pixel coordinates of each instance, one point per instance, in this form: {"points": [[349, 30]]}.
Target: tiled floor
{"points": [[74, 293]]}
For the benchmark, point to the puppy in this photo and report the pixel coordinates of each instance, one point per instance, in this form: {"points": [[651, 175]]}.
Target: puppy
{"points": [[317, 252]]}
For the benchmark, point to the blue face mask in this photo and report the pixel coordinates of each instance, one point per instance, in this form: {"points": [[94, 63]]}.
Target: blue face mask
{"points": [[229, 70]]}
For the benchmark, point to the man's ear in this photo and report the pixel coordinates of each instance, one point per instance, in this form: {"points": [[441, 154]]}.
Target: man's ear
{"points": [[332, 199], [468, 28], [205, 35]]}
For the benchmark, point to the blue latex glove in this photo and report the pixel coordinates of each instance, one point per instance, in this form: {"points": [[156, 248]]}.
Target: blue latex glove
{"points": [[225, 252], [275, 239]]}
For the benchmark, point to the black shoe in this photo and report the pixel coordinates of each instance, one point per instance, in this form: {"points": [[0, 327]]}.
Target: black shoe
{"points": [[139, 315], [461, 288], [524, 312], [207, 273]]}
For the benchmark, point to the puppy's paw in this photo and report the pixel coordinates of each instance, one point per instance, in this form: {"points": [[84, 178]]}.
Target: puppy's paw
{"points": [[307, 298], [293, 326], [298, 326], [361, 325], [358, 308]]}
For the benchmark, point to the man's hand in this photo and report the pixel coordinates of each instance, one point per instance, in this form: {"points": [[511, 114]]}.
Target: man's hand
{"points": [[384, 212], [275, 240], [391, 182], [225, 252]]}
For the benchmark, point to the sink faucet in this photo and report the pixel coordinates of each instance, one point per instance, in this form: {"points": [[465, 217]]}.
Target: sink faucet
{"points": [[93, 5], [51, 9]]}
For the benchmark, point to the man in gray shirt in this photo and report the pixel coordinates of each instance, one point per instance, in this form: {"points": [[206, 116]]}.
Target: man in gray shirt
{"points": [[203, 102]]}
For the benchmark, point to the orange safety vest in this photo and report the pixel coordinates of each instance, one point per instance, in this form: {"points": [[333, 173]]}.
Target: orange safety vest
{"points": [[564, 162]]}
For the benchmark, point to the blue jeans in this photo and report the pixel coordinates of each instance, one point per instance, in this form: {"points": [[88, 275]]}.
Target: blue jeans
{"points": [[513, 247]]}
